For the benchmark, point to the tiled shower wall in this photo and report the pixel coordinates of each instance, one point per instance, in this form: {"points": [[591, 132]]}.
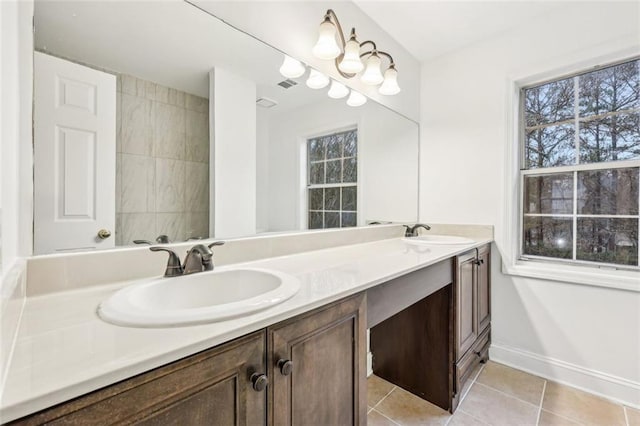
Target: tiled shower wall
{"points": [[162, 164]]}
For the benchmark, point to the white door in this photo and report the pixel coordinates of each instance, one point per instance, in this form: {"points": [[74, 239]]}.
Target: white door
{"points": [[74, 156]]}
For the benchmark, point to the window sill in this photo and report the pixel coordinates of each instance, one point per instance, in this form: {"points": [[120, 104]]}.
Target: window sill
{"points": [[598, 277]]}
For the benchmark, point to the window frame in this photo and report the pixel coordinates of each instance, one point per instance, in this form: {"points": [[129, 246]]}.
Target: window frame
{"points": [[306, 170], [513, 264]]}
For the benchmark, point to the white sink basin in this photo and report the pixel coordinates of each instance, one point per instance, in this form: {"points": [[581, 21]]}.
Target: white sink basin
{"points": [[438, 240], [198, 298]]}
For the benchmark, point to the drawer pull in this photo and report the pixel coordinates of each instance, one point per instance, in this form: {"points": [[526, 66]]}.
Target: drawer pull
{"points": [[259, 382], [285, 366]]}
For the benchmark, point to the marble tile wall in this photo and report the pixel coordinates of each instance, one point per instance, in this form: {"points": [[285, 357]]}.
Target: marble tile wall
{"points": [[162, 164]]}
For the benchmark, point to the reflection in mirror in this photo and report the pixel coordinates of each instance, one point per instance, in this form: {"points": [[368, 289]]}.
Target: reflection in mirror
{"points": [[157, 122]]}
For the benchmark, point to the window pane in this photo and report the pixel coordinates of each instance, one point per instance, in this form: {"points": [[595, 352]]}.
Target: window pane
{"points": [[350, 149], [349, 198], [348, 219], [611, 89], [334, 146], [548, 236], [315, 220], [608, 240], [315, 199], [549, 103], [350, 171], [550, 146], [612, 192], [332, 199], [610, 138], [331, 220], [316, 149], [316, 173], [549, 194], [334, 171]]}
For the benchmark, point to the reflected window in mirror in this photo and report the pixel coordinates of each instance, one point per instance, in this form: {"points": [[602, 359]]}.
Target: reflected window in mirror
{"points": [[332, 180]]}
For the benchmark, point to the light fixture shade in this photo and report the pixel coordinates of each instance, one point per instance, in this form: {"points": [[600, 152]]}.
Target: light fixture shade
{"points": [[390, 83], [292, 68], [317, 80], [372, 74], [351, 63], [326, 47], [356, 99], [337, 90]]}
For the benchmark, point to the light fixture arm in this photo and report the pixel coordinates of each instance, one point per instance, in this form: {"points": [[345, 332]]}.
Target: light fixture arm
{"points": [[380, 52], [333, 18]]}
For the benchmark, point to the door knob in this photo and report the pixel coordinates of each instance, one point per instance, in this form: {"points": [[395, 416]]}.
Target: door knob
{"points": [[285, 366], [103, 234], [259, 382]]}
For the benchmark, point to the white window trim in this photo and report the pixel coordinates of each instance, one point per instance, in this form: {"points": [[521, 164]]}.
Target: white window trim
{"points": [[511, 264]]}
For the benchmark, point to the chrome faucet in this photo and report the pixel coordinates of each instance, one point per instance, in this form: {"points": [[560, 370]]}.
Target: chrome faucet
{"points": [[412, 231], [199, 258]]}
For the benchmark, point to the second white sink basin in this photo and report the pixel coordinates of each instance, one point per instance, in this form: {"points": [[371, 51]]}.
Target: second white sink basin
{"points": [[438, 240], [198, 298]]}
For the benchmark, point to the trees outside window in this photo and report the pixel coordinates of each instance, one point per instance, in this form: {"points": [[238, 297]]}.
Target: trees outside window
{"points": [[581, 167]]}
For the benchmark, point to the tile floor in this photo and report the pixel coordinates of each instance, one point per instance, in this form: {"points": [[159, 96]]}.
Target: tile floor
{"points": [[501, 396]]}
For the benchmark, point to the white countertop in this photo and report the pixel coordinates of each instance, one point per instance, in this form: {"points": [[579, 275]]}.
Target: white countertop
{"points": [[64, 350]]}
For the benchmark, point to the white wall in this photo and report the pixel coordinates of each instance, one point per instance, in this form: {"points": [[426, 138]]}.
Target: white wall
{"points": [[262, 170], [233, 153], [292, 27], [586, 336], [387, 150], [16, 74]]}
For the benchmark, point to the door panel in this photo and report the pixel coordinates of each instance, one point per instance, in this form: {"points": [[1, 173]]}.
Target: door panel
{"points": [[484, 288], [74, 155], [466, 313]]}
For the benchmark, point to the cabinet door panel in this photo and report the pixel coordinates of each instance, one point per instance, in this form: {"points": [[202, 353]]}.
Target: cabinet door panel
{"points": [[484, 287], [328, 381], [466, 313]]}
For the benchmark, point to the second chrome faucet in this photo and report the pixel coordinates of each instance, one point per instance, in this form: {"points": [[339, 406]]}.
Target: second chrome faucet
{"points": [[199, 259]]}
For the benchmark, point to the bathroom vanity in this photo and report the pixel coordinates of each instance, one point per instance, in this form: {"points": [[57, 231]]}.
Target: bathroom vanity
{"points": [[427, 307]]}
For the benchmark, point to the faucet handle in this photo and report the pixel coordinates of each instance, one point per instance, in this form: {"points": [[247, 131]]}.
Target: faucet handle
{"points": [[216, 243], [174, 267]]}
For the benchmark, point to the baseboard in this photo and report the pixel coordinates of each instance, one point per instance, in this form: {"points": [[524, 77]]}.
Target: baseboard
{"points": [[611, 387]]}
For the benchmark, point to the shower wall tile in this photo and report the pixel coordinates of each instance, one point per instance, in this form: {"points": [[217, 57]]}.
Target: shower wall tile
{"points": [[118, 121], [162, 94], [138, 184], [170, 186], [169, 137], [180, 99], [137, 116], [150, 90], [197, 225], [171, 224], [197, 194], [197, 136], [118, 183], [138, 226], [196, 103]]}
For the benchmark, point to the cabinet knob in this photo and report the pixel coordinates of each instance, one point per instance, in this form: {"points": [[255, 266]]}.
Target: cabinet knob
{"points": [[103, 234], [478, 262], [259, 381], [285, 366]]}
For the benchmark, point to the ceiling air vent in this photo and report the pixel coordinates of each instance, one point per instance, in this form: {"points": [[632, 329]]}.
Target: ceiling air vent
{"points": [[266, 103], [287, 83]]}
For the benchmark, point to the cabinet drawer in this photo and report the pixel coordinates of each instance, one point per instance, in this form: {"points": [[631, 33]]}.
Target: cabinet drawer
{"points": [[471, 359]]}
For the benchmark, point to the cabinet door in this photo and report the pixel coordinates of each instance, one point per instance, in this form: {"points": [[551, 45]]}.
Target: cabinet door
{"points": [[210, 388], [324, 382], [465, 303], [484, 287]]}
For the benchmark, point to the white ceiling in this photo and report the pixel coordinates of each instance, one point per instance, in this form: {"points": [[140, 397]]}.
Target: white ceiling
{"points": [[430, 28]]}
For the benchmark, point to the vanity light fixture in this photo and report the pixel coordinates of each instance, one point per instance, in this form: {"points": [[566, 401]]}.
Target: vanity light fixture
{"points": [[337, 90], [317, 80], [356, 99], [292, 68], [348, 56]]}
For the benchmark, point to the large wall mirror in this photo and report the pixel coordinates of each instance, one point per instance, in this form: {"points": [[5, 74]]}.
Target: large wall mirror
{"points": [[155, 121]]}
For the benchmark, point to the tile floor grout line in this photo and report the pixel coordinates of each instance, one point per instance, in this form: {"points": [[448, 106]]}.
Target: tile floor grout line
{"points": [[473, 381], [544, 389], [506, 394], [386, 417], [384, 397], [626, 416], [471, 415]]}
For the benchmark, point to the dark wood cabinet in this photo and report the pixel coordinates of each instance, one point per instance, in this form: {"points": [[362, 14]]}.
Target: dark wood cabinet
{"points": [[314, 364], [317, 367], [212, 387], [472, 317]]}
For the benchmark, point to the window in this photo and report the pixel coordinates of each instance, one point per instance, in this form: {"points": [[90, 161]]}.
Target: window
{"points": [[581, 166], [332, 178]]}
